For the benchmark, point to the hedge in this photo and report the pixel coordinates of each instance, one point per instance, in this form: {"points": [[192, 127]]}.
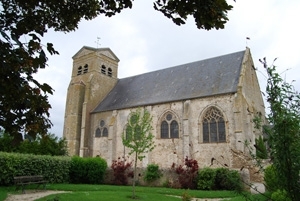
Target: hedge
{"points": [[55, 169]]}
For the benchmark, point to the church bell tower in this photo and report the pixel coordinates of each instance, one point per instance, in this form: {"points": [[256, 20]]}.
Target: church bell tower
{"points": [[94, 74]]}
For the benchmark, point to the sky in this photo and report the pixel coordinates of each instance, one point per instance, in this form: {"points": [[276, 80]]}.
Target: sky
{"points": [[145, 40]]}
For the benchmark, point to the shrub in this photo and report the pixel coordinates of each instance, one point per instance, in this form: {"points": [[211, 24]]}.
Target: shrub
{"points": [[206, 179], [152, 173], [122, 170], [55, 169], [280, 195], [187, 173], [271, 179], [219, 179], [87, 170], [186, 196], [228, 180]]}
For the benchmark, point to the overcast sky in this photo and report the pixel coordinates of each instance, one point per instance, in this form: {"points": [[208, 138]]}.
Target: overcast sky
{"points": [[144, 40]]}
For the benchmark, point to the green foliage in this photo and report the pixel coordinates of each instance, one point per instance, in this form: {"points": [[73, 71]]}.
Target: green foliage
{"points": [[54, 169], [280, 195], [45, 145], [271, 179], [87, 170], [284, 133], [152, 173], [186, 196], [208, 14], [261, 150], [137, 137], [42, 145], [6, 142], [137, 134], [228, 180], [219, 179], [206, 179]]}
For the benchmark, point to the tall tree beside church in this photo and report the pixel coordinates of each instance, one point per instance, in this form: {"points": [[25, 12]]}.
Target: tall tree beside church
{"points": [[24, 105], [284, 134], [138, 138]]}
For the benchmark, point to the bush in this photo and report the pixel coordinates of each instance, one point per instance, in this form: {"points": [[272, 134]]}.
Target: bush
{"points": [[206, 179], [280, 195], [187, 173], [54, 169], [228, 180], [219, 179], [122, 170], [152, 173], [87, 170], [271, 179]]}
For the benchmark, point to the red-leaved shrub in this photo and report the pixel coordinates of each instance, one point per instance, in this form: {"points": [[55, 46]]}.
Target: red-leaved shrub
{"points": [[187, 173], [122, 170]]}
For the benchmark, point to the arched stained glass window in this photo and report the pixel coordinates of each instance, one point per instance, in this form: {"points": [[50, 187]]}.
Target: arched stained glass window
{"points": [[169, 127], [102, 130], [105, 132], [164, 130], [213, 126], [98, 132]]}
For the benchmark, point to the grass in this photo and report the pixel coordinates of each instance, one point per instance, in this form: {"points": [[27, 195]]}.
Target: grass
{"points": [[86, 192], [121, 193]]}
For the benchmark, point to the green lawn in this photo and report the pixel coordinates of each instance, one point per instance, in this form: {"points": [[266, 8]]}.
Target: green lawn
{"points": [[83, 192]]}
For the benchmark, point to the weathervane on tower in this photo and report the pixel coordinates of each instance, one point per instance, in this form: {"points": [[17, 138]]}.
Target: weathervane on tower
{"points": [[97, 42]]}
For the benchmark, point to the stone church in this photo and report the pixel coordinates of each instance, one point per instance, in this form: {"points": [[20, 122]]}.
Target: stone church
{"points": [[202, 110]]}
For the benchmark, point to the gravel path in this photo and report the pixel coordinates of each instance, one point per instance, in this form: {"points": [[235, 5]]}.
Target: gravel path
{"points": [[31, 195]]}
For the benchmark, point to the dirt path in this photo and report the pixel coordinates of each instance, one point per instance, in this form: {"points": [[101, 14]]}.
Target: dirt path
{"points": [[31, 195]]}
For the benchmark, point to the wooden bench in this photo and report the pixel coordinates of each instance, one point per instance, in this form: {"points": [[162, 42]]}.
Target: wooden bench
{"points": [[22, 181]]}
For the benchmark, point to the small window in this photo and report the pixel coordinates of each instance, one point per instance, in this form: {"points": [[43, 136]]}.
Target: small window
{"points": [[79, 70], [169, 127], [105, 132], [213, 126], [103, 69], [85, 69], [98, 132], [109, 72], [101, 131]]}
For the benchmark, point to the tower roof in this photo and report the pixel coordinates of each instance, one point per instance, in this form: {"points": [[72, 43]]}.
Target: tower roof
{"points": [[209, 77], [105, 51]]}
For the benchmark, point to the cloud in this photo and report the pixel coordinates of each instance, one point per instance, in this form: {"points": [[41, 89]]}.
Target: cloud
{"points": [[144, 40]]}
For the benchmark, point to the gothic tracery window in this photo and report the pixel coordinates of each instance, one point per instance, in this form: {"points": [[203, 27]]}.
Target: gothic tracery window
{"points": [[101, 131], [169, 127], [213, 126]]}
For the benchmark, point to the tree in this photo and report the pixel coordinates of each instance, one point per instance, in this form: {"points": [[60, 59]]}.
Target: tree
{"points": [[284, 132], [24, 105], [138, 138], [44, 145]]}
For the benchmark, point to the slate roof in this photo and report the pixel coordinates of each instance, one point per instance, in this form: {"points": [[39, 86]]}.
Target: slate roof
{"points": [[214, 76]]}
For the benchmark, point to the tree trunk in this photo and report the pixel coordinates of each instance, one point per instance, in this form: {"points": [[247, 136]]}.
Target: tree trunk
{"points": [[134, 177]]}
